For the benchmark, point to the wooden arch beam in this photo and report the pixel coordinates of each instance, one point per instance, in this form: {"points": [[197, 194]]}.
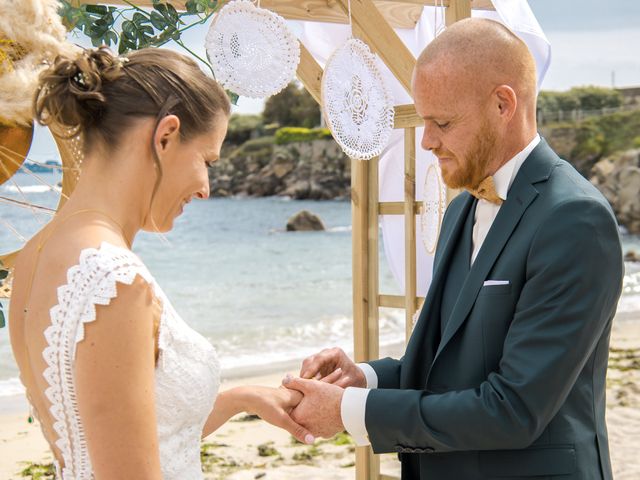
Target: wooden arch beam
{"points": [[399, 13], [370, 26]]}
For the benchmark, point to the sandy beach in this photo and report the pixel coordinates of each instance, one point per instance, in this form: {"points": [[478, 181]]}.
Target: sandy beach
{"points": [[248, 448]]}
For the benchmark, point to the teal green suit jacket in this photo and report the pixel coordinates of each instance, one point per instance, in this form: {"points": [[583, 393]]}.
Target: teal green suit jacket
{"points": [[515, 385]]}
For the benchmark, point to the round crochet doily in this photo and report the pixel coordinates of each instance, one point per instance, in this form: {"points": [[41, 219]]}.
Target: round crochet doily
{"points": [[356, 102], [433, 206], [252, 50]]}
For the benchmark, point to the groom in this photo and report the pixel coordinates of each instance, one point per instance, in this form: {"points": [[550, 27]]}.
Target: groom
{"points": [[504, 375]]}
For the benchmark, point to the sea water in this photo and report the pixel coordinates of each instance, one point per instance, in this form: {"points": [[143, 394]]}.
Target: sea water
{"points": [[262, 296]]}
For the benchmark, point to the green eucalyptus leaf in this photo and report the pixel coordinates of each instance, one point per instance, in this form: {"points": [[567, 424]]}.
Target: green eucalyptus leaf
{"points": [[108, 18], [110, 38], [139, 18], [122, 46], [192, 7], [97, 9], [3, 274], [173, 14], [128, 27], [138, 28], [158, 21], [2, 321], [233, 97]]}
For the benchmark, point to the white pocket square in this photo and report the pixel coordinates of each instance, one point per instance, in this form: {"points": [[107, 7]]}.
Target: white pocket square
{"points": [[489, 283]]}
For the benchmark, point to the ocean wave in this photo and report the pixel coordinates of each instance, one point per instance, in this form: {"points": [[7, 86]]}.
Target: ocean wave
{"points": [[264, 345], [629, 304], [346, 228], [11, 387], [631, 283], [31, 188]]}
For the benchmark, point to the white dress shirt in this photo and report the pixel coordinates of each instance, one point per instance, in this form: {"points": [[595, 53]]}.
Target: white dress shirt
{"points": [[354, 400]]}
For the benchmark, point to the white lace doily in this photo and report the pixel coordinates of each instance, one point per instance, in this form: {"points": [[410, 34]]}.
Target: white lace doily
{"points": [[356, 102], [433, 205], [252, 50]]}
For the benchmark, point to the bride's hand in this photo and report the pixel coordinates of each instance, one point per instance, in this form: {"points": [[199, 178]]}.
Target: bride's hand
{"points": [[274, 406]]}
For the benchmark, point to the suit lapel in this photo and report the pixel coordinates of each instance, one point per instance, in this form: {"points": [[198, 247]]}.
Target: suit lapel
{"points": [[419, 354], [442, 262], [536, 168]]}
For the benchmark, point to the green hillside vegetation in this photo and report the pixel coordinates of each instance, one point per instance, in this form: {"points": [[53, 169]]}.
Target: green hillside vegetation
{"points": [[579, 98], [585, 143], [293, 116]]}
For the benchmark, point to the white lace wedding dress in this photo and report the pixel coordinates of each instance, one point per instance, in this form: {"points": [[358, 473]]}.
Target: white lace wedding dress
{"points": [[187, 375]]}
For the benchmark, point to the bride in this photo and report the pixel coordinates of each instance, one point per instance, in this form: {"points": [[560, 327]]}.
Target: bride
{"points": [[122, 387]]}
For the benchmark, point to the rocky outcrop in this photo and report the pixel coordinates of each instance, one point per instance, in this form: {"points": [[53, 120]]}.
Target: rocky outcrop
{"points": [[304, 221], [578, 144], [632, 256], [317, 170], [586, 143], [618, 178]]}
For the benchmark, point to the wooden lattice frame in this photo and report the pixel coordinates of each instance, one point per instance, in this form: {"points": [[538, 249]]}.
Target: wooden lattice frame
{"points": [[373, 22]]}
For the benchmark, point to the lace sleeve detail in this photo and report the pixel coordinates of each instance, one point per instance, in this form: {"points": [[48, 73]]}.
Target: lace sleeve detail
{"points": [[97, 275], [93, 281]]}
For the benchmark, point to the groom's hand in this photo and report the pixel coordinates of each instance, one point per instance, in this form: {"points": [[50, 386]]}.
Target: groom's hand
{"points": [[324, 366], [275, 405], [319, 409]]}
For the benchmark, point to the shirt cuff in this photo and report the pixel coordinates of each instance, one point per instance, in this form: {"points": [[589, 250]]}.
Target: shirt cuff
{"points": [[352, 408], [370, 374]]}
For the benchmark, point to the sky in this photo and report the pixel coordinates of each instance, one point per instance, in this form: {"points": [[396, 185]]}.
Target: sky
{"points": [[593, 42]]}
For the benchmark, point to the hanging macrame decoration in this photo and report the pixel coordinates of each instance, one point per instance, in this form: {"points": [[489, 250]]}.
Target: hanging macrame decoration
{"points": [[252, 50], [356, 102], [433, 206]]}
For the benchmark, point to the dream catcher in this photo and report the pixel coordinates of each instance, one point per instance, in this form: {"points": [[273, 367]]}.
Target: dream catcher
{"points": [[356, 102], [252, 50], [433, 207]]}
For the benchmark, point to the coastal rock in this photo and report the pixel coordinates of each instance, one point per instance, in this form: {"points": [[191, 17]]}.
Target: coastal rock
{"points": [[317, 170], [618, 178], [282, 164], [304, 221], [632, 256], [298, 191]]}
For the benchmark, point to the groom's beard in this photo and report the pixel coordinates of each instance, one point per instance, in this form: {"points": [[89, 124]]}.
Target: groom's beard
{"points": [[472, 168]]}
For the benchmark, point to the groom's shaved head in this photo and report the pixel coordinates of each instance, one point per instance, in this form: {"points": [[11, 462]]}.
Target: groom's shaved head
{"points": [[482, 54], [475, 87]]}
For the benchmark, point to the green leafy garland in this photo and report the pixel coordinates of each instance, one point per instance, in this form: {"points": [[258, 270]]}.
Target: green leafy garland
{"points": [[139, 28]]}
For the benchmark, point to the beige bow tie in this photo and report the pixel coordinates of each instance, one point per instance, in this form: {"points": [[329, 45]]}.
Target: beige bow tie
{"points": [[486, 191]]}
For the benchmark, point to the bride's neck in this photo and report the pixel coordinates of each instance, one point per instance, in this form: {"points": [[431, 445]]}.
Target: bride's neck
{"points": [[115, 189]]}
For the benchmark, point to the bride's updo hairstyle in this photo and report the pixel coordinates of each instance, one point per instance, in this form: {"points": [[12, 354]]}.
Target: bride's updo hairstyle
{"points": [[100, 95]]}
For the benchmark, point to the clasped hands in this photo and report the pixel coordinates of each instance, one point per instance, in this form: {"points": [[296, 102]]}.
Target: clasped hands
{"points": [[309, 406], [316, 395]]}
